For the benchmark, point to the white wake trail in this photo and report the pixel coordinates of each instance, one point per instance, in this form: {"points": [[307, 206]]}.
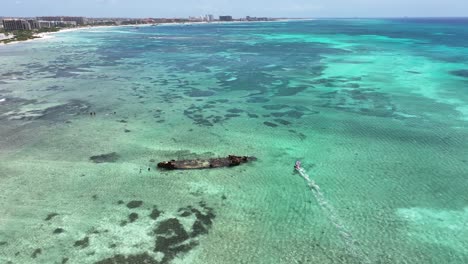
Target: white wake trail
{"points": [[330, 212]]}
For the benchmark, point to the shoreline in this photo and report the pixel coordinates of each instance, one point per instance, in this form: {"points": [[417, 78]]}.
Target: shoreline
{"points": [[50, 35]]}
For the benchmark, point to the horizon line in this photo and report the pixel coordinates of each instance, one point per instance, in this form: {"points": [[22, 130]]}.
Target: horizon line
{"points": [[273, 17]]}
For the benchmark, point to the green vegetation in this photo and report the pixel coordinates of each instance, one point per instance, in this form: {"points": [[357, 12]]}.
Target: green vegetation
{"points": [[108, 23], [45, 30], [22, 35]]}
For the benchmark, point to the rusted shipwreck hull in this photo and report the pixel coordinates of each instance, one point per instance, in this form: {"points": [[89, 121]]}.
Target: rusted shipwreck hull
{"points": [[228, 161]]}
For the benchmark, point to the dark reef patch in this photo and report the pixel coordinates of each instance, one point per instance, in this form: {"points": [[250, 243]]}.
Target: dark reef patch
{"points": [[197, 115], [231, 115], [50, 216], [143, 258], [252, 115], [275, 107], [134, 204], [132, 217], [353, 85], [257, 100], [290, 113], [84, 243], [12, 74], [199, 93], [171, 226], [235, 110], [302, 108], [54, 88], [282, 121], [208, 106], [198, 229], [363, 101], [105, 158], [171, 236], [270, 124], [302, 136], [59, 231], [290, 91], [328, 95], [206, 218], [170, 97], [3, 243], [155, 213], [460, 73], [185, 212], [36, 252]]}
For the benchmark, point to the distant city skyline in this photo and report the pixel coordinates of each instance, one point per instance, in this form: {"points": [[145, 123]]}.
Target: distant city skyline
{"points": [[238, 8]]}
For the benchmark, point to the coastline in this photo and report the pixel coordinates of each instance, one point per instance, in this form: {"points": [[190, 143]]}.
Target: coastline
{"points": [[50, 35]]}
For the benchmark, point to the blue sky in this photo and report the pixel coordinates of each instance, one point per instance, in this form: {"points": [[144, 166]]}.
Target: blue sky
{"points": [[237, 8]]}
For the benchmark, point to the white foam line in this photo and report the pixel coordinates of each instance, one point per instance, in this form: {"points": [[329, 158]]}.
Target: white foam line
{"points": [[345, 234]]}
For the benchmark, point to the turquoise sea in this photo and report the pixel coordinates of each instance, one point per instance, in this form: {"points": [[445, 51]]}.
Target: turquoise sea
{"points": [[376, 110]]}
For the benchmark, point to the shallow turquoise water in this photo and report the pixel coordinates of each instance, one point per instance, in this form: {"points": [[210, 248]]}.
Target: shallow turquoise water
{"points": [[375, 109]]}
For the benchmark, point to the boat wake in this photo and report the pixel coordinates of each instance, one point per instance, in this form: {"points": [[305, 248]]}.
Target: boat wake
{"points": [[330, 212]]}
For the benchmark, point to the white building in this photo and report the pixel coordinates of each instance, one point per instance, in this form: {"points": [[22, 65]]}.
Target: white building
{"points": [[209, 18], [45, 24], [77, 20]]}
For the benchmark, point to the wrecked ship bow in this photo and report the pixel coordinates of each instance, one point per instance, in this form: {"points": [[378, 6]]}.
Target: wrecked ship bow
{"points": [[229, 161]]}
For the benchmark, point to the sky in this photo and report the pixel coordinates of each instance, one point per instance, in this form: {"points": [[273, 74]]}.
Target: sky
{"points": [[236, 8]]}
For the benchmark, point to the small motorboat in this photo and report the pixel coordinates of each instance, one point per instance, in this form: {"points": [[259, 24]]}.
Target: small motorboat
{"points": [[297, 165]]}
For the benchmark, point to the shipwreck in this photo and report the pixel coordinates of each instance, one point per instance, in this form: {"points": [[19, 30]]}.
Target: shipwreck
{"points": [[229, 161]]}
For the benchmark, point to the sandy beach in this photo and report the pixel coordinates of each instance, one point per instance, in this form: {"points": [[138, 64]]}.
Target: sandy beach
{"points": [[49, 35]]}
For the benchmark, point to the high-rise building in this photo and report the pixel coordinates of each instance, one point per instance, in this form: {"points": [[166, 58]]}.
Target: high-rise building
{"points": [[225, 18], [249, 18], [50, 18], [16, 24], [45, 24], [34, 24], [209, 18], [78, 20]]}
